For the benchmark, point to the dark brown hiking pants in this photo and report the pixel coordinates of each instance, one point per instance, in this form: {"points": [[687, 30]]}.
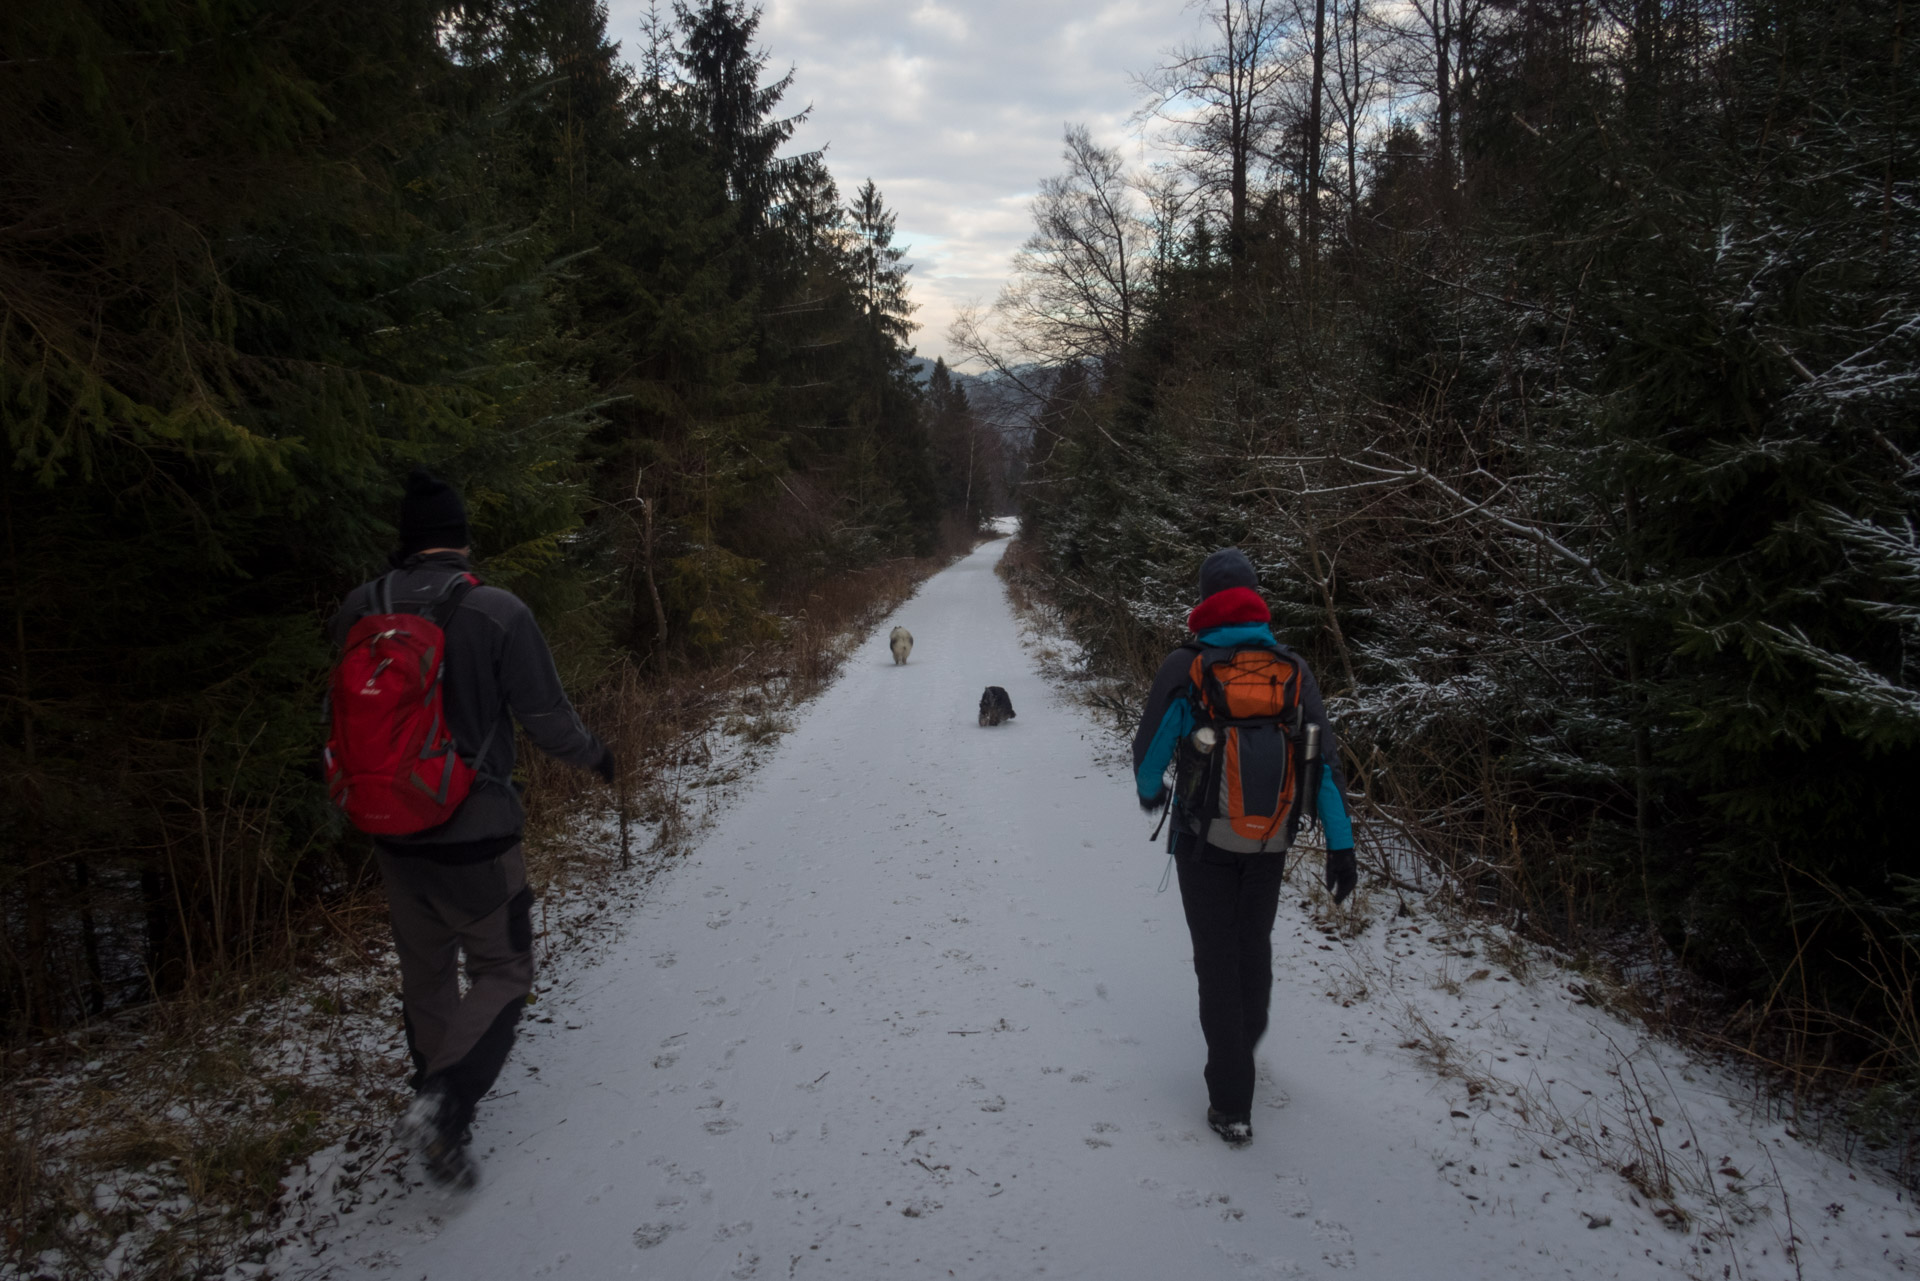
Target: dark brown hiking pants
{"points": [[440, 912]]}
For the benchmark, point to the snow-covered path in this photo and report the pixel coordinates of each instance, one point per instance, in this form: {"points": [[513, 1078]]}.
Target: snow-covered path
{"points": [[914, 1009]]}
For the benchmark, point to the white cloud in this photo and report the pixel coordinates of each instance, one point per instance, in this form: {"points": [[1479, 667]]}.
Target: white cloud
{"points": [[941, 22], [955, 109]]}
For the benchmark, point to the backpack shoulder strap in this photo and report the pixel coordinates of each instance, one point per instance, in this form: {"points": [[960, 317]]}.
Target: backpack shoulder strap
{"points": [[440, 611], [458, 587], [1201, 672]]}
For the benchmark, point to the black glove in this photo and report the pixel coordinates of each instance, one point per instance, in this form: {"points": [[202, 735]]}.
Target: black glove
{"points": [[605, 766], [1155, 803], [1342, 874]]}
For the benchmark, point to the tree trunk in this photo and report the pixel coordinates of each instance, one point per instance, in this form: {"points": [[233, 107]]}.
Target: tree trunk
{"points": [[35, 979], [1353, 119], [1237, 187], [966, 503], [1443, 99], [647, 574], [1315, 141], [89, 937], [1893, 134]]}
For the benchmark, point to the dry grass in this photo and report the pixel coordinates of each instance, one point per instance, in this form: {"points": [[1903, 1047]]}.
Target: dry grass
{"points": [[159, 1139]]}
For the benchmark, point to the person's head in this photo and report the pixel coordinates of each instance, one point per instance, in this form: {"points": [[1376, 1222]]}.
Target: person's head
{"points": [[1229, 593], [432, 517], [1228, 567]]}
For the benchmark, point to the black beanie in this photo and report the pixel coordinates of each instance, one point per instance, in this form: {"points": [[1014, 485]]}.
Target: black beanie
{"points": [[1228, 567], [431, 515]]}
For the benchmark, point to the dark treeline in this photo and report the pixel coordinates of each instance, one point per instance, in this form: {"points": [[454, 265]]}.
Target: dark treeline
{"points": [[258, 258], [1559, 363]]}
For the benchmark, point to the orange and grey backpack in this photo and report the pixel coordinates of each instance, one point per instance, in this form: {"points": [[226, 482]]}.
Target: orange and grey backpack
{"points": [[1238, 776]]}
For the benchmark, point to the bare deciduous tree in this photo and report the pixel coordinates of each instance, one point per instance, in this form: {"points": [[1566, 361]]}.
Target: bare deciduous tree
{"points": [[1079, 281], [1223, 100], [1440, 36]]}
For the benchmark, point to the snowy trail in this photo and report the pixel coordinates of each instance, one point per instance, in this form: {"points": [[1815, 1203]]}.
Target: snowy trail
{"points": [[914, 1009]]}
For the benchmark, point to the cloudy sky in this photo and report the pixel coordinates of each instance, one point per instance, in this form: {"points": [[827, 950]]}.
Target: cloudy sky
{"points": [[955, 109]]}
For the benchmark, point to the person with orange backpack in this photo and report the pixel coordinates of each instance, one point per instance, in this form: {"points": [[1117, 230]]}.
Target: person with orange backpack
{"points": [[1240, 718], [435, 667]]}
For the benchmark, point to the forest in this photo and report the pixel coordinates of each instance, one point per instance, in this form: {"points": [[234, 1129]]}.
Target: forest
{"points": [[259, 259], [1558, 362]]}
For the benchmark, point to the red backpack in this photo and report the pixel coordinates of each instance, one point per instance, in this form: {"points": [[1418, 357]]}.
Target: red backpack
{"points": [[391, 762]]}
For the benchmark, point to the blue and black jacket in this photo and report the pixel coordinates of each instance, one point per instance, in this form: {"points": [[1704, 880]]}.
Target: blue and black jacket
{"points": [[1168, 718]]}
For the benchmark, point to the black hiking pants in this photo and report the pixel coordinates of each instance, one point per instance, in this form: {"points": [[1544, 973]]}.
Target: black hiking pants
{"points": [[1230, 901], [479, 913]]}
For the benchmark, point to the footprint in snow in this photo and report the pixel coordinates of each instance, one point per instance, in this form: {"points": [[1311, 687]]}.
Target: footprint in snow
{"points": [[648, 1235], [1292, 1196], [1263, 1074], [665, 960], [727, 1231], [690, 1178], [1194, 1199], [1280, 1268], [1338, 1242]]}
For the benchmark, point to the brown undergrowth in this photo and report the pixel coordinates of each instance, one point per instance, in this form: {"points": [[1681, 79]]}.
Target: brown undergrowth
{"points": [[156, 1142]]}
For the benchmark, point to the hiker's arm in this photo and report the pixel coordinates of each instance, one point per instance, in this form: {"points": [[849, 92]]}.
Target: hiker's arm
{"points": [[1167, 716], [537, 699], [1334, 822]]}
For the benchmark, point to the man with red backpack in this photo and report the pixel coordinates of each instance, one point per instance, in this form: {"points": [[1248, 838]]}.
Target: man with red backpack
{"points": [[1239, 715], [435, 668]]}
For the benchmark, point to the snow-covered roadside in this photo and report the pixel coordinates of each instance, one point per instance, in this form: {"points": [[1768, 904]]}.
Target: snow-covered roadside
{"points": [[915, 1008], [179, 1139], [166, 1130]]}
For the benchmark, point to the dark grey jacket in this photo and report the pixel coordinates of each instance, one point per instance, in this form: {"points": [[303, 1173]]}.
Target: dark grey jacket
{"points": [[498, 665]]}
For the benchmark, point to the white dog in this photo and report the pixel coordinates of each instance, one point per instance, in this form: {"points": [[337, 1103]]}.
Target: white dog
{"points": [[901, 643]]}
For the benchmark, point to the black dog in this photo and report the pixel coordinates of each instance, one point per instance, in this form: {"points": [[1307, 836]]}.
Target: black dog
{"points": [[995, 706]]}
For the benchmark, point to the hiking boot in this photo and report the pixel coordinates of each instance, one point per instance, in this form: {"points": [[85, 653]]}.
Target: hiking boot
{"points": [[1236, 1130], [449, 1165], [427, 1128]]}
